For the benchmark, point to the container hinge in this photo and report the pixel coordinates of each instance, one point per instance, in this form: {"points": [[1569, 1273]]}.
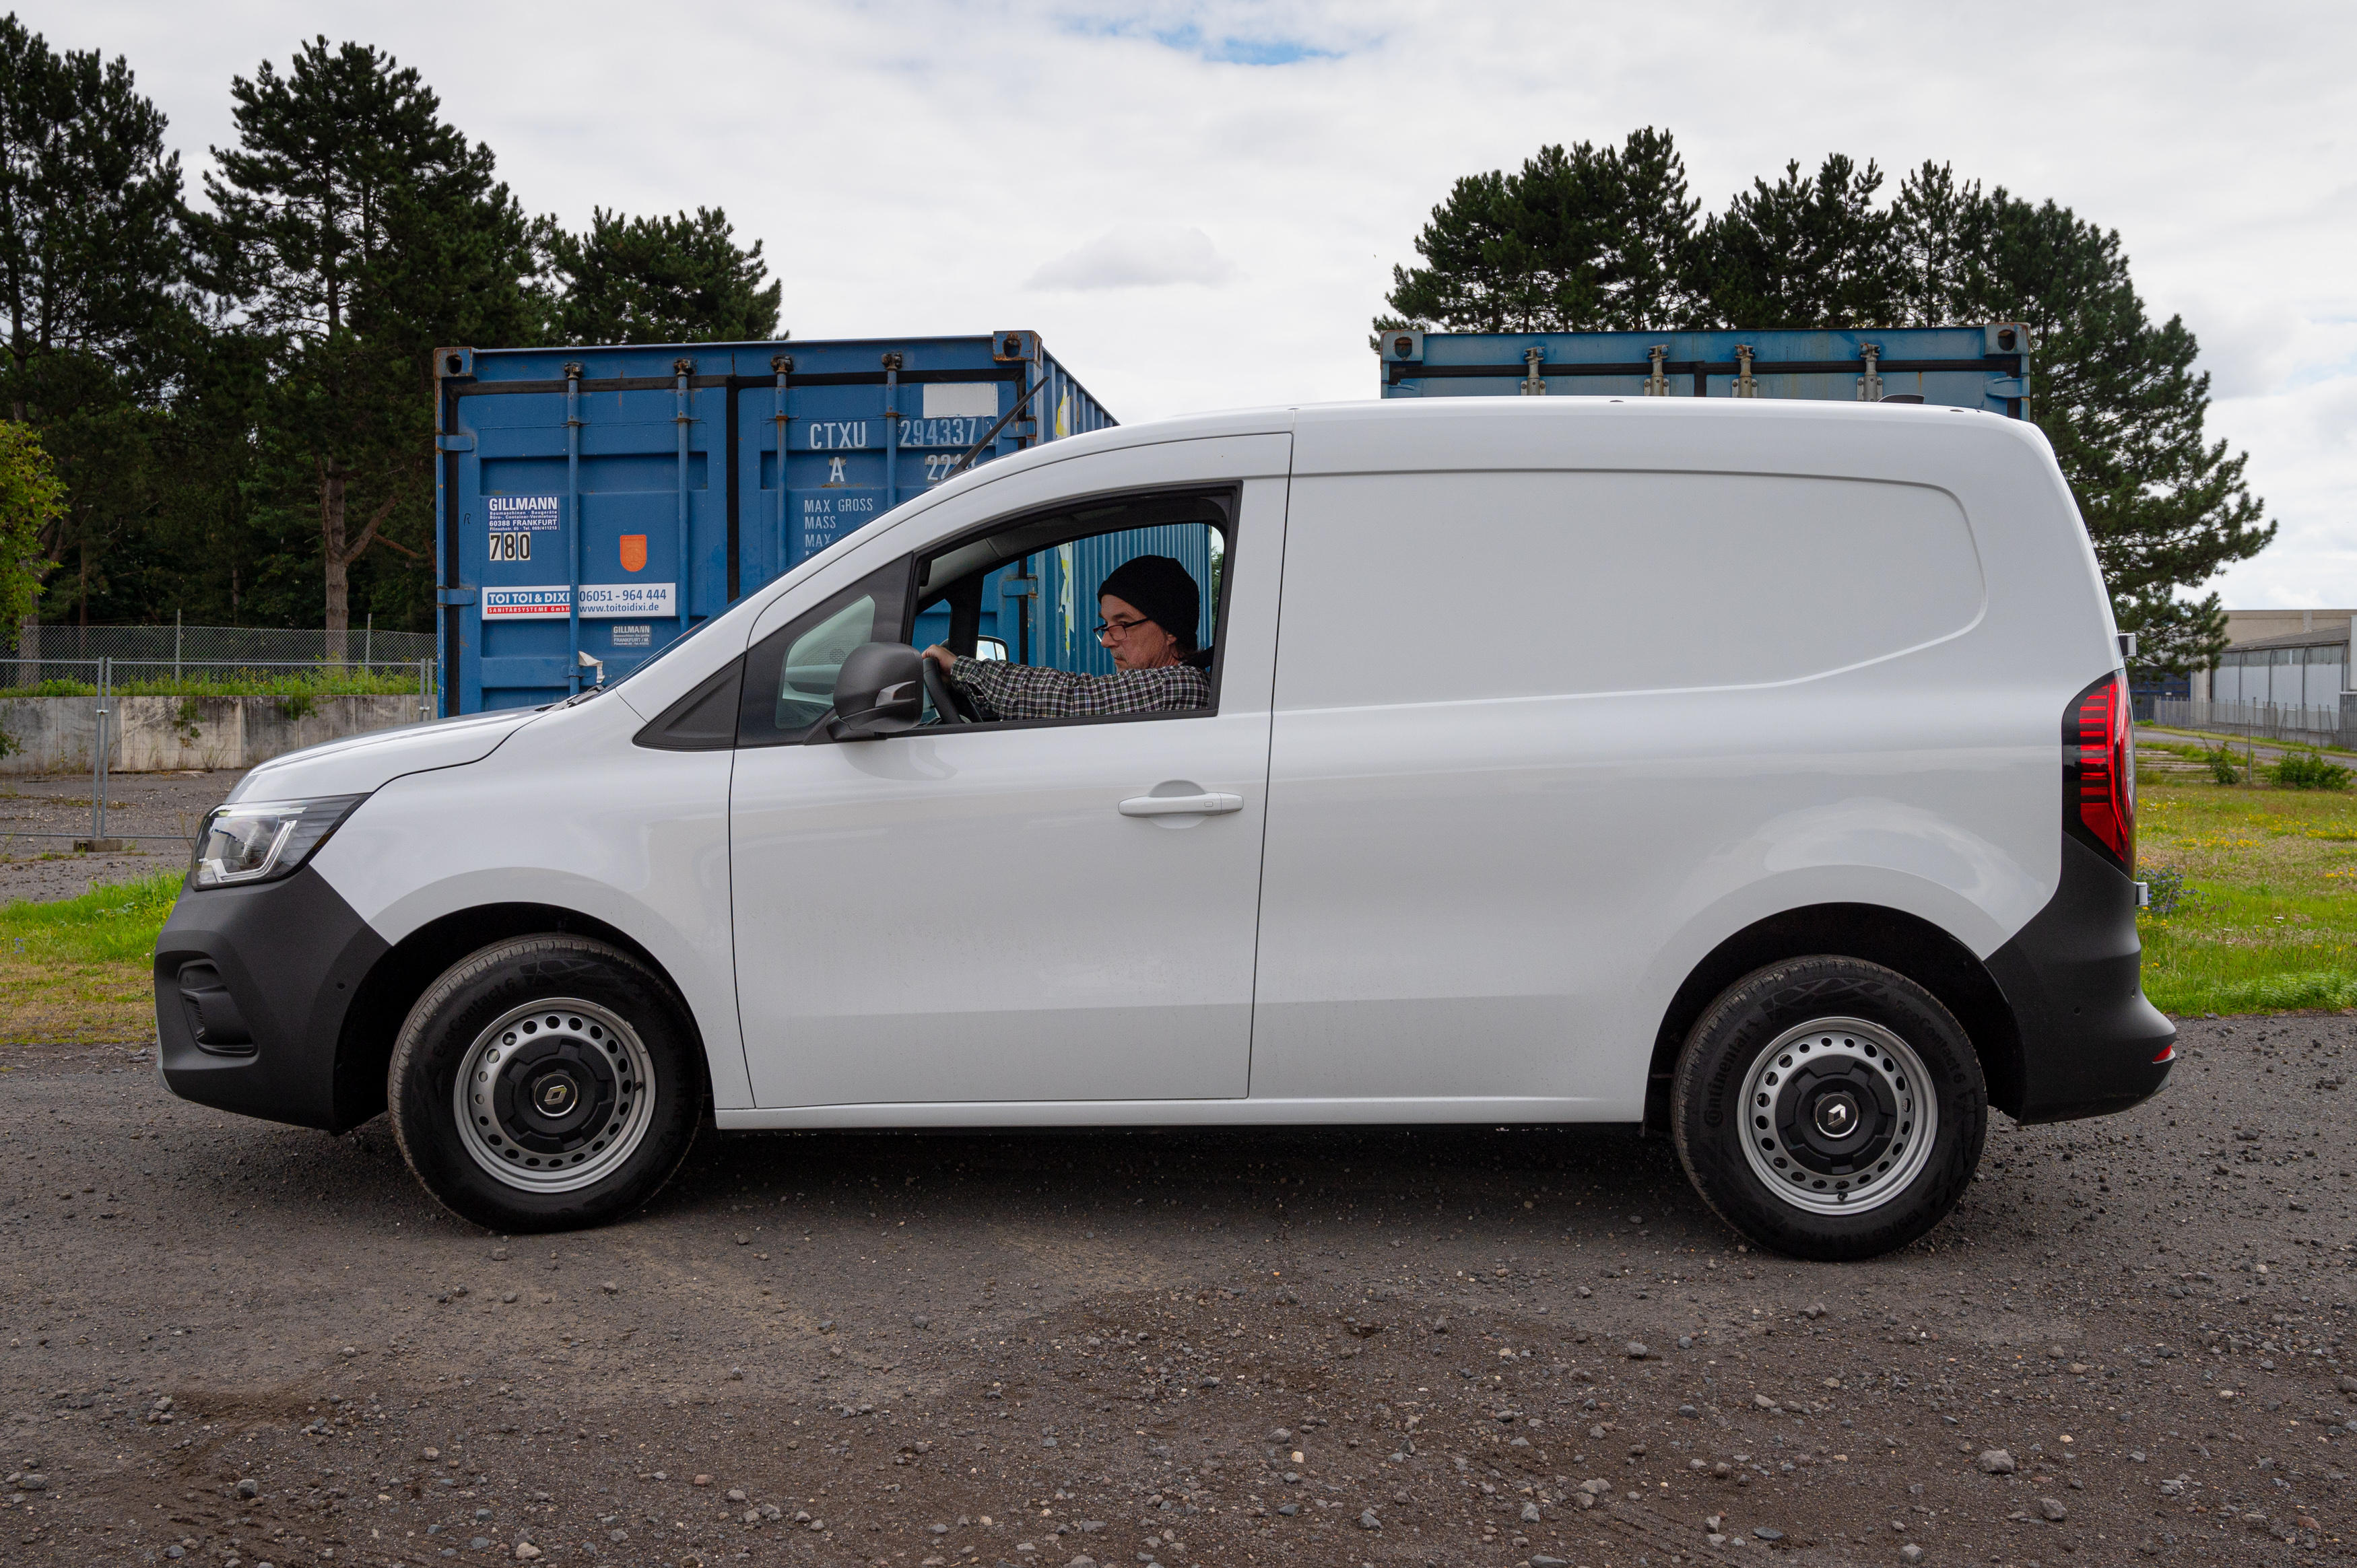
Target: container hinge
{"points": [[1534, 385], [1870, 385], [1744, 385], [1019, 587], [1657, 382], [454, 596], [2007, 387], [459, 443]]}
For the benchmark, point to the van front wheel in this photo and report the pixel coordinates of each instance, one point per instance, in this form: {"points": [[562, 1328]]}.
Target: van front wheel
{"points": [[1829, 1108], [545, 1083]]}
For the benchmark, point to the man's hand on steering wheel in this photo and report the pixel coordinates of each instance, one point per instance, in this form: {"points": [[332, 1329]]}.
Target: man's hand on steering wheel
{"points": [[950, 702]]}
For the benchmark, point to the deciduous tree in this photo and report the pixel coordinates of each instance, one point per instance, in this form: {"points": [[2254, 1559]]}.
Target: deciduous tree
{"points": [[30, 498]]}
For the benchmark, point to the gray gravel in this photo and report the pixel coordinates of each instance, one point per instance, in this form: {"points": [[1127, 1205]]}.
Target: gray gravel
{"points": [[1393, 1348]]}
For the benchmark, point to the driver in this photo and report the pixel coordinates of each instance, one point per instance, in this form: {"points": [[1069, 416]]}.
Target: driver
{"points": [[1149, 606]]}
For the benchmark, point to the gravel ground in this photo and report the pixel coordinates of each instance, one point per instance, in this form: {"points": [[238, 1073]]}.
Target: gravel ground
{"points": [[246, 1342], [43, 868]]}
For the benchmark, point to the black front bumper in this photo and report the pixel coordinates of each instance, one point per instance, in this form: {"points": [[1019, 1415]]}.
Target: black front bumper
{"points": [[253, 988], [2090, 1044]]}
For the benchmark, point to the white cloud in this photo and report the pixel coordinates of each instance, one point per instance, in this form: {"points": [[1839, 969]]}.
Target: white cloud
{"points": [[1137, 255]]}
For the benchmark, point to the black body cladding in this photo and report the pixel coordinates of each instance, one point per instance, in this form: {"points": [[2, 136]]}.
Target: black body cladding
{"points": [[279, 964], [2089, 1039]]}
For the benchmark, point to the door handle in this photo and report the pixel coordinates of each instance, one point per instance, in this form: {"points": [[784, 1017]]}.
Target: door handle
{"points": [[1208, 805]]}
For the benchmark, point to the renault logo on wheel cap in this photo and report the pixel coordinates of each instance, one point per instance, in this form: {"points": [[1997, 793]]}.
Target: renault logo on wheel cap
{"points": [[555, 1095], [1836, 1116]]}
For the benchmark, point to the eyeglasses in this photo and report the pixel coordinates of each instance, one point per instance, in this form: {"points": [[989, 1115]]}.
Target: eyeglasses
{"points": [[1109, 629]]}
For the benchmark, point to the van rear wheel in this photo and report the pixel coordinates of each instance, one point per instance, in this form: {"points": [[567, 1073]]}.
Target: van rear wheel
{"points": [[545, 1083], [1829, 1108]]}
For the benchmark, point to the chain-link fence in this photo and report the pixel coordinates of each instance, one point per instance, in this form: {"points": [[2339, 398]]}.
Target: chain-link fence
{"points": [[106, 682], [61, 661], [2263, 721]]}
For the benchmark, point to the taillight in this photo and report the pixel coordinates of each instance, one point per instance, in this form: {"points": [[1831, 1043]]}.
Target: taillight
{"points": [[2099, 771]]}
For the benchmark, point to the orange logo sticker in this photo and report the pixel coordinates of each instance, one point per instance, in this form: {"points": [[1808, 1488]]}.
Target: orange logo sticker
{"points": [[634, 552]]}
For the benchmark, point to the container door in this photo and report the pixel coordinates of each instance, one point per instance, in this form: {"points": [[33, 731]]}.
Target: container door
{"points": [[857, 445], [604, 535]]}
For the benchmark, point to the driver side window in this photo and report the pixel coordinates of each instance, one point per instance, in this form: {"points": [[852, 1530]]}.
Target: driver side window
{"points": [[1020, 606]]}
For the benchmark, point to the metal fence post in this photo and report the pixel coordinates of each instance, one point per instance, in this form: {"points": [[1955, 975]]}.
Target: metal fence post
{"points": [[98, 759]]}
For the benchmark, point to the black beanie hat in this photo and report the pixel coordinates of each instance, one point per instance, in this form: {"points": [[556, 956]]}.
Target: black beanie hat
{"points": [[1161, 591]]}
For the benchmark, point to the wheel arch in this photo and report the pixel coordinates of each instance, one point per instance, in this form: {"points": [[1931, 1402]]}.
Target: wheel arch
{"points": [[1908, 943], [382, 1002]]}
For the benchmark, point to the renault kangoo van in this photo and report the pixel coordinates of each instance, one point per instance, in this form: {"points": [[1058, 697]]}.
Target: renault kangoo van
{"points": [[1759, 773]]}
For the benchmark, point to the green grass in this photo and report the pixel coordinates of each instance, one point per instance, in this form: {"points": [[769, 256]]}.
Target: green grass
{"points": [[347, 683], [77, 969], [2267, 921]]}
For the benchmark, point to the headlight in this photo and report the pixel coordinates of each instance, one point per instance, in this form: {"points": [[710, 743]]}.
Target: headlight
{"points": [[258, 841]]}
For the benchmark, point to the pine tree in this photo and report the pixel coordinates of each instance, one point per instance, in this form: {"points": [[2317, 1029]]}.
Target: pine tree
{"points": [[1588, 239], [1585, 239], [660, 280], [353, 231], [1807, 251], [2118, 397], [90, 262]]}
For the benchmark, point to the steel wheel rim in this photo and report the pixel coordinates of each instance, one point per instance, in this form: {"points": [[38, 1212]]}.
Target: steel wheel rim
{"points": [[1838, 1116], [554, 1096]]}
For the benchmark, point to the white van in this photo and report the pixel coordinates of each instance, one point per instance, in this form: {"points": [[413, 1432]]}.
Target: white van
{"points": [[1757, 772]]}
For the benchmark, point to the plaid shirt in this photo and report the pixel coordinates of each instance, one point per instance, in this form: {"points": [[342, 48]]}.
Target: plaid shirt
{"points": [[1004, 691]]}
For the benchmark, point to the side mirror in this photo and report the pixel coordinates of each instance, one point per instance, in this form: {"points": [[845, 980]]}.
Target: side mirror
{"points": [[880, 690]]}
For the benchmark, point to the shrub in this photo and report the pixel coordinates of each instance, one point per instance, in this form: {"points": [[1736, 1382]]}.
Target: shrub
{"points": [[2224, 765], [2310, 770]]}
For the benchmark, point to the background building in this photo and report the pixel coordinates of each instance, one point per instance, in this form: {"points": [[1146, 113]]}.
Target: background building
{"points": [[2252, 633]]}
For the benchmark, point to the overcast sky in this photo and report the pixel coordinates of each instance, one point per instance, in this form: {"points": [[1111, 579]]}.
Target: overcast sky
{"points": [[1199, 205]]}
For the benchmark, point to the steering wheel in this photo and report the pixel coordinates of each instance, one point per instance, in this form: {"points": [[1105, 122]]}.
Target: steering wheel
{"points": [[951, 705]]}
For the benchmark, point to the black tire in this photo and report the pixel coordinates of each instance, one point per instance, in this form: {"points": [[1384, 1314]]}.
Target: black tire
{"points": [[561, 1038], [1798, 1114]]}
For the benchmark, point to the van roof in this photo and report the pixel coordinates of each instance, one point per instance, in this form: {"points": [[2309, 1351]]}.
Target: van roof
{"points": [[1340, 419]]}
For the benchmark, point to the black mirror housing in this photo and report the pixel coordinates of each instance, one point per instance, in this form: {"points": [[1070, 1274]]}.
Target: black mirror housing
{"points": [[880, 690]]}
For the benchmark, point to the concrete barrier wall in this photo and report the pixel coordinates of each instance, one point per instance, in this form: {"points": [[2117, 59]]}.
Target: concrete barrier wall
{"points": [[149, 734]]}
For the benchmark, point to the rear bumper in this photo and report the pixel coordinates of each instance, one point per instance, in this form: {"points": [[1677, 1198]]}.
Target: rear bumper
{"points": [[252, 987], [2090, 1044]]}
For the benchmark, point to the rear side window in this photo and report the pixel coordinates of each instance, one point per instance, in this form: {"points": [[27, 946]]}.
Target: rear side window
{"points": [[1451, 588]]}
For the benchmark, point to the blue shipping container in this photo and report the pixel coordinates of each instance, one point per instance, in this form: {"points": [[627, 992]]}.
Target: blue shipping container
{"points": [[1959, 367], [603, 500]]}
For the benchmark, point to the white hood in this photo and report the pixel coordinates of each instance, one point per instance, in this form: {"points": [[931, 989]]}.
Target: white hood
{"points": [[360, 764]]}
